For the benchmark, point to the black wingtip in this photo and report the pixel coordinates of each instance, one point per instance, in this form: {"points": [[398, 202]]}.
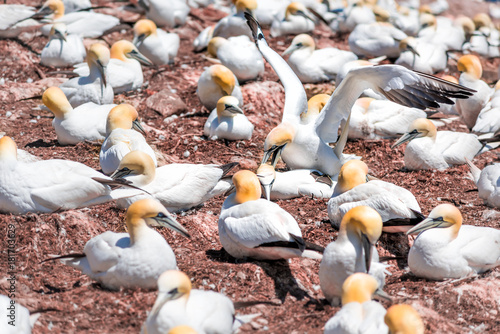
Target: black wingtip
{"points": [[254, 27]]}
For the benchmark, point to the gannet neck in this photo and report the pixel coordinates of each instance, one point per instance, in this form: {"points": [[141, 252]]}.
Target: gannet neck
{"points": [[98, 58], [403, 319], [136, 227], [358, 287], [247, 186], [8, 149], [316, 104], [56, 101], [466, 24], [137, 167]]}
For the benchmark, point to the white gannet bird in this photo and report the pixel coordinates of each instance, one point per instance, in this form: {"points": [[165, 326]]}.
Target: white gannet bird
{"points": [[356, 13], [178, 304], [297, 21], [15, 18], [94, 87], [267, 10], [76, 5], [49, 185], [238, 54], [447, 249], [422, 56], [155, 44], [202, 40], [124, 134], [471, 72], [62, 49], [294, 183], [83, 23], [314, 106], [250, 226], [376, 39], [177, 186], [124, 72], [451, 36], [22, 155], [432, 149], [313, 66], [353, 251], [487, 182], [215, 82], [74, 125], [397, 206], [379, 119], [305, 146], [359, 314], [234, 25], [227, 121], [21, 318], [130, 260], [485, 39], [403, 319], [171, 14], [488, 120]]}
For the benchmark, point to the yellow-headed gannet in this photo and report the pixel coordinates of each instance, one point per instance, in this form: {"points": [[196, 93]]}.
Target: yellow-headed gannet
{"points": [[447, 249], [376, 39], [484, 40], [62, 49], [314, 106], [156, 44], [451, 36], [215, 82], [227, 121], [422, 56], [267, 10], [170, 13], [487, 182], [403, 319], [297, 20]]}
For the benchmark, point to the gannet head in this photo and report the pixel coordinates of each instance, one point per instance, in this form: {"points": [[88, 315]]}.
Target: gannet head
{"points": [[450, 79], [172, 284], [247, 186], [471, 65], [245, 6], [57, 102], [364, 223], [442, 216], [58, 31], [408, 44], [183, 329], [467, 25], [482, 20], [297, 8], [302, 41], [227, 106], [53, 8], [266, 174], [421, 127], [403, 319], [276, 141], [125, 50], [364, 103], [8, 149], [352, 174], [425, 9], [123, 116], [98, 57], [214, 45], [223, 77], [381, 15], [427, 20], [138, 164], [360, 288], [142, 30], [314, 107], [149, 212]]}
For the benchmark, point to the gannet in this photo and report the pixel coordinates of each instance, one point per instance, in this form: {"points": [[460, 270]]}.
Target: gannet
{"points": [[177, 186], [122, 138], [376, 39], [484, 40], [297, 21], [22, 155], [178, 304], [124, 72], [215, 82], [294, 183], [76, 5], [227, 121], [314, 106], [130, 260], [358, 12], [397, 206], [202, 40], [234, 25], [447, 249], [238, 54], [313, 66], [487, 182], [93, 88], [250, 226], [359, 314], [74, 125], [171, 14], [16, 317], [403, 319], [432, 149], [15, 18], [83, 23], [62, 49], [155, 44], [49, 185], [353, 251], [450, 36], [306, 145], [488, 120], [422, 56], [267, 10]]}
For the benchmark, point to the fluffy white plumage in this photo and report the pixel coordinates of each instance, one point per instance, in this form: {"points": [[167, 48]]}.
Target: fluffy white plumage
{"points": [[297, 21], [62, 49], [488, 120], [375, 40], [215, 82], [170, 13], [422, 56], [156, 44], [488, 183], [227, 121]]}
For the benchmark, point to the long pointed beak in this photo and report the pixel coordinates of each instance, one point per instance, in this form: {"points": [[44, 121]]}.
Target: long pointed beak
{"points": [[427, 224], [303, 14], [102, 71], [136, 125], [381, 294], [169, 222], [234, 110], [412, 50], [164, 297], [120, 173], [138, 39], [60, 35], [406, 138], [134, 54], [290, 49], [368, 248], [231, 190], [42, 13]]}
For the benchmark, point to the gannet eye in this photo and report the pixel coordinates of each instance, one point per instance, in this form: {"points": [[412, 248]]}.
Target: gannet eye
{"points": [[161, 215], [300, 44]]}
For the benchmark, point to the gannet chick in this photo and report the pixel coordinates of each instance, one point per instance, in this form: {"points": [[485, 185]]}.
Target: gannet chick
{"points": [[430, 149], [376, 39], [171, 14], [17, 318], [124, 72], [122, 138], [49, 185], [487, 184], [177, 186], [359, 314], [227, 121], [294, 183], [250, 226], [403, 319], [447, 249], [74, 125], [397, 206], [234, 25], [130, 260], [297, 20], [178, 304], [215, 82], [353, 251], [94, 87], [238, 54], [62, 49], [422, 56], [313, 66], [155, 44]]}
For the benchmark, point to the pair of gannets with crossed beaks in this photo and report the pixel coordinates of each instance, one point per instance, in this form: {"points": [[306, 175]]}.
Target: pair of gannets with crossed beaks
{"points": [[306, 145]]}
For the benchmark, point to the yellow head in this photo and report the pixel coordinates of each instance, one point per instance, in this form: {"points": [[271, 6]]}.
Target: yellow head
{"points": [[245, 5], [403, 319], [471, 65], [247, 186], [227, 106], [427, 20], [364, 222], [314, 106], [466, 23], [302, 41], [8, 149], [57, 102], [279, 136], [442, 216], [121, 117], [136, 163], [144, 28], [183, 329], [214, 45], [358, 287], [364, 102], [295, 8], [425, 9], [381, 15], [482, 20], [223, 77], [352, 174], [56, 7], [174, 283], [98, 55], [424, 127], [121, 49]]}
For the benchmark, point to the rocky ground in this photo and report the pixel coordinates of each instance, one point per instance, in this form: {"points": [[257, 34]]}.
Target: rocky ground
{"points": [[291, 300]]}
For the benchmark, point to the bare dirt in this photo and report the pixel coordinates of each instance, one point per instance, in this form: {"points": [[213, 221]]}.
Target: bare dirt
{"points": [[72, 303]]}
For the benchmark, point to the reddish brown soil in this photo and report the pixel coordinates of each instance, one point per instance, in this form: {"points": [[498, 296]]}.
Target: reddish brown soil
{"points": [[72, 303]]}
